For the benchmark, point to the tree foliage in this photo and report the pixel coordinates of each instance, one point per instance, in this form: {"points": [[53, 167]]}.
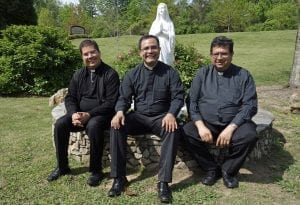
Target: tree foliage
{"points": [[46, 18], [229, 15], [103, 18], [17, 12], [282, 16]]}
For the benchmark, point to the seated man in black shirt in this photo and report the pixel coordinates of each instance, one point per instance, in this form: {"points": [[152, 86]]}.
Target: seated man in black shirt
{"points": [[90, 102], [158, 96], [223, 100]]}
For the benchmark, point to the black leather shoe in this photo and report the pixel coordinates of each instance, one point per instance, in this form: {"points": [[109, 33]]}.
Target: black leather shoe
{"points": [[164, 192], [211, 177], [57, 173], [118, 186], [230, 181], [94, 179]]}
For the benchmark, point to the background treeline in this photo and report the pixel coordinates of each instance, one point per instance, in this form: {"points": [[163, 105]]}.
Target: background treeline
{"points": [[38, 60], [103, 18]]}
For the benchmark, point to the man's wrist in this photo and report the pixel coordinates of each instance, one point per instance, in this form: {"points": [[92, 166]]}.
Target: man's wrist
{"points": [[169, 113], [199, 124], [120, 112], [232, 125]]}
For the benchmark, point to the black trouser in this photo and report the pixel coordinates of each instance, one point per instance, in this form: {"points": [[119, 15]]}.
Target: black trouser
{"points": [[136, 124], [242, 143], [95, 131]]}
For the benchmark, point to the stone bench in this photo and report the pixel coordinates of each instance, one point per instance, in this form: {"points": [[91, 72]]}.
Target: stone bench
{"points": [[145, 149]]}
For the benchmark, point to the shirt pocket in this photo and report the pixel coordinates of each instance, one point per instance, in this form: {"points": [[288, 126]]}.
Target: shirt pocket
{"points": [[234, 96], [160, 94]]}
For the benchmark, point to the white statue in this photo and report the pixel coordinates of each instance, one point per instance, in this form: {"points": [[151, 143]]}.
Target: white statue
{"points": [[163, 28]]}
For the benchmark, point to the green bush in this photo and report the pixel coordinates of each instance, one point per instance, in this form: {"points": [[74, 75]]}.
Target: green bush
{"points": [[255, 27], [187, 61], [205, 28], [126, 61], [35, 60]]}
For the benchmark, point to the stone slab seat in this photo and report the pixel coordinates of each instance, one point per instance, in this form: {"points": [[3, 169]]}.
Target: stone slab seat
{"points": [[145, 149]]}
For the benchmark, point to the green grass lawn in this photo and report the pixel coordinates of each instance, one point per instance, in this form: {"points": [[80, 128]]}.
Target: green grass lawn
{"points": [[27, 157], [27, 153], [268, 55]]}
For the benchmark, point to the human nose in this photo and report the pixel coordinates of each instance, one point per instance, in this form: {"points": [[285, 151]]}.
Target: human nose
{"points": [[219, 55]]}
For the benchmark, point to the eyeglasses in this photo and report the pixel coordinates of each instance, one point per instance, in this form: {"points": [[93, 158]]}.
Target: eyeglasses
{"points": [[90, 54], [222, 55], [149, 48]]}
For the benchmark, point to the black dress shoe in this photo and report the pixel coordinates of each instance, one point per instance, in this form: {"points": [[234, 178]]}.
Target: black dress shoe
{"points": [[211, 177], [230, 181], [57, 173], [164, 192], [118, 186], [94, 179]]}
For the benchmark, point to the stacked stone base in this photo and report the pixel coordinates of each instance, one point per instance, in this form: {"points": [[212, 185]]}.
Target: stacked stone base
{"points": [[144, 150]]}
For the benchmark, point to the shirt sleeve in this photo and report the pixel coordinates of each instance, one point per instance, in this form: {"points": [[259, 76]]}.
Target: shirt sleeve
{"points": [[110, 96], [71, 100], [126, 93], [177, 93], [194, 95], [249, 102]]}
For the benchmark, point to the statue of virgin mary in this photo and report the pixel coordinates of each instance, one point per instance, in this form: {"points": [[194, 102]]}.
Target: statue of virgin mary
{"points": [[163, 28]]}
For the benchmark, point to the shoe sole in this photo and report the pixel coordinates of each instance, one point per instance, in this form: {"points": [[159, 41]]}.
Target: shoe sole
{"points": [[231, 187], [114, 195], [56, 178], [165, 201], [93, 184]]}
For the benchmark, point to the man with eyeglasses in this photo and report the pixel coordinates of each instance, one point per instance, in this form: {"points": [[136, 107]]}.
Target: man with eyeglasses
{"points": [[92, 94], [158, 96], [222, 101]]}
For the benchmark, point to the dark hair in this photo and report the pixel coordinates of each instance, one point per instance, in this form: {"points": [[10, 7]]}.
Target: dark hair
{"points": [[222, 41], [145, 37], [88, 42]]}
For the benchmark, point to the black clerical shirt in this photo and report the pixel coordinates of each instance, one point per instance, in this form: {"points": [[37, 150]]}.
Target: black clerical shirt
{"points": [[155, 92], [221, 98], [95, 93], [89, 97]]}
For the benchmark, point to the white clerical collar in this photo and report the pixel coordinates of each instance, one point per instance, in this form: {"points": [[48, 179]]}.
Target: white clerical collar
{"points": [[220, 73]]}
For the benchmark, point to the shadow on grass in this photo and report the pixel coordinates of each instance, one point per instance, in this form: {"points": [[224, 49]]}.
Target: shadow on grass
{"points": [[81, 170], [144, 174], [188, 181], [191, 180], [270, 168]]}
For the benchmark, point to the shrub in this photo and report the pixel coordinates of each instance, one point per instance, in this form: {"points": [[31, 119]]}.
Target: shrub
{"points": [[205, 28], [35, 60], [126, 61], [187, 61], [255, 27]]}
